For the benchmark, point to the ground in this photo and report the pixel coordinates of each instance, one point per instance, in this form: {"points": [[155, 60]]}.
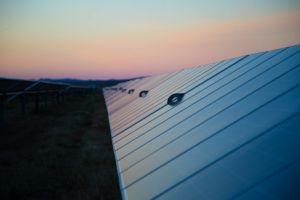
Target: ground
{"points": [[61, 152]]}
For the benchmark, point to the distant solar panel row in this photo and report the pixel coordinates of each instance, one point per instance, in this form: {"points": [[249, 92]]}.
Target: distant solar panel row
{"points": [[11, 88], [18, 86], [227, 130]]}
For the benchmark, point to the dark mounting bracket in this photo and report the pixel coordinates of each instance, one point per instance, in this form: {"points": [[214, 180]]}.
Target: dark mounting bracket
{"points": [[175, 99], [143, 93], [130, 91]]}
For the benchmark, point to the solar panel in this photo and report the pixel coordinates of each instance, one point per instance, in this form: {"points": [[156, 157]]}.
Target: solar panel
{"points": [[111, 94], [234, 135], [14, 86], [151, 83], [11, 88]]}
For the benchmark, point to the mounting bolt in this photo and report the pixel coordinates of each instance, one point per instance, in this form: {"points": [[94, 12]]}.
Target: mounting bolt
{"points": [[143, 93], [175, 99]]}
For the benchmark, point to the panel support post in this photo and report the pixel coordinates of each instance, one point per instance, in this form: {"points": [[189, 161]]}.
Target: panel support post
{"points": [[57, 98], [37, 101], [2, 99], [63, 97], [23, 96], [46, 98], [52, 98]]}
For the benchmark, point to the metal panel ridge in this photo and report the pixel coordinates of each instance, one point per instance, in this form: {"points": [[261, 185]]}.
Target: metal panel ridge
{"points": [[225, 130]]}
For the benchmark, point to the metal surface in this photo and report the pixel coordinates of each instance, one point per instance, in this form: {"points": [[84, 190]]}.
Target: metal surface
{"points": [[234, 135]]}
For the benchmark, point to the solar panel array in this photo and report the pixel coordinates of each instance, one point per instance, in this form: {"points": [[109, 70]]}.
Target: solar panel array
{"points": [[11, 88], [18, 86], [226, 130]]}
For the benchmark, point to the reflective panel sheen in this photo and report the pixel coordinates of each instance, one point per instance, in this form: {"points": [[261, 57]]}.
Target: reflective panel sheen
{"points": [[234, 134]]}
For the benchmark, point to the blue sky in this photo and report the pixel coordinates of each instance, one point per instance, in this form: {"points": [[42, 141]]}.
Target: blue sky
{"points": [[68, 35]]}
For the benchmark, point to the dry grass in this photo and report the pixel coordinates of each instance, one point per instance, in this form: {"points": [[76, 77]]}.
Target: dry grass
{"points": [[62, 152]]}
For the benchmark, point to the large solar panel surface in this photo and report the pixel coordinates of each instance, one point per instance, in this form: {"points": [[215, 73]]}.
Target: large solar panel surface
{"points": [[234, 135]]}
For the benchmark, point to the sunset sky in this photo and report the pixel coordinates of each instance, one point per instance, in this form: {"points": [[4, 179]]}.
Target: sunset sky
{"points": [[95, 39]]}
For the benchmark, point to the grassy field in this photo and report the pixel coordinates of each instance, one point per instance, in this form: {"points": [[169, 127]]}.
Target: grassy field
{"points": [[62, 152]]}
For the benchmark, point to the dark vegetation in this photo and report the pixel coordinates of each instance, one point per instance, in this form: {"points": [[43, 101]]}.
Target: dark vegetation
{"points": [[61, 152]]}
